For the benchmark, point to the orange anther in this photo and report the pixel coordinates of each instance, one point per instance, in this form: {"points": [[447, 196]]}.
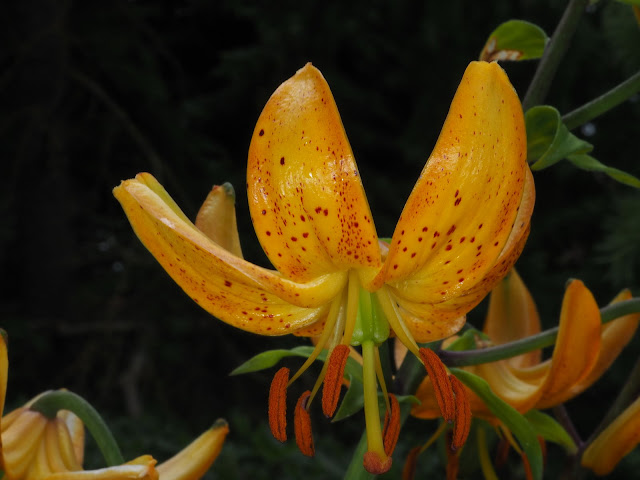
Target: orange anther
{"points": [[410, 464], [333, 379], [302, 426], [463, 414], [441, 383], [376, 465], [391, 429], [278, 404]]}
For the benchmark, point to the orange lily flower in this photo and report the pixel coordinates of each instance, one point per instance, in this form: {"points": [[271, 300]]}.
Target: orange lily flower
{"points": [[462, 228], [35, 447], [584, 350], [614, 442]]}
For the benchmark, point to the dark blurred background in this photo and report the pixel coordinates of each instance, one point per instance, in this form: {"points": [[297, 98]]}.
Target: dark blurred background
{"points": [[94, 92]]}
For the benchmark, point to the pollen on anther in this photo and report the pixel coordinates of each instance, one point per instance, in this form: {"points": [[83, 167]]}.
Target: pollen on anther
{"points": [[278, 404], [333, 379], [302, 426], [441, 383]]}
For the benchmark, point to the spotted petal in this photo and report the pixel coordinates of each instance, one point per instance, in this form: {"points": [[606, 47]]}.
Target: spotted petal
{"points": [[240, 293], [461, 213], [306, 198]]}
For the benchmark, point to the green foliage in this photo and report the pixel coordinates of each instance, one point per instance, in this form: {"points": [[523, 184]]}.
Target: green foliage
{"points": [[509, 416], [515, 40]]}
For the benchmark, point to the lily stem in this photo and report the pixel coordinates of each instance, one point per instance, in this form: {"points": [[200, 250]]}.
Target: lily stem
{"points": [[51, 402], [533, 342], [553, 54], [603, 103]]}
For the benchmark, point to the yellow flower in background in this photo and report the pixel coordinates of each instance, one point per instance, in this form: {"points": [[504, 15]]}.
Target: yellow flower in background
{"points": [[585, 348], [614, 442], [461, 230], [35, 447]]}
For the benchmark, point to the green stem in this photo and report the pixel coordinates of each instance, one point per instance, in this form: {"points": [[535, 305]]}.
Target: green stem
{"points": [[533, 342], [553, 54], [603, 103], [50, 403]]}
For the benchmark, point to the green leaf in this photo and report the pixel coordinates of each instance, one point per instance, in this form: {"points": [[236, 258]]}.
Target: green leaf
{"points": [[352, 402], [515, 40], [587, 162], [631, 2], [268, 359], [511, 418], [548, 139], [547, 427], [466, 341]]}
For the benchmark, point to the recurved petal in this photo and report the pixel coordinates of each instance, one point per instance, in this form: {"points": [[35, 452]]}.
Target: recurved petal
{"points": [[141, 468], [232, 289], [306, 198], [461, 213], [616, 441], [513, 315], [192, 462], [578, 342], [615, 335], [217, 218]]}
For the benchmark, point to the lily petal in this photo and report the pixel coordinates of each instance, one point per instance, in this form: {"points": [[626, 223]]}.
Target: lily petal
{"points": [[194, 460], [306, 198], [614, 442], [141, 468], [513, 315], [240, 293], [578, 343], [462, 210], [217, 218], [615, 335]]}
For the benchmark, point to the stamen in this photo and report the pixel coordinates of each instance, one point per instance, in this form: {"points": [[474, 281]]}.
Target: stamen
{"points": [[302, 426], [410, 464], [463, 414], [527, 466], [278, 404], [441, 383], [380, 376], [502, 453], [412, 458], [483, 454], [334, 312], [453, 460], [391, 429], [353, 303], [374, 464], [333, 379], [390, 310]]}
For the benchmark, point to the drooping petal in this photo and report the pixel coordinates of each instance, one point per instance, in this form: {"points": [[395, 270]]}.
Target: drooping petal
{"points": [[578, 343], [513, 315], [217, 218], [141, 468], [615, 335], [306, 198], [232, 289], [75, 427], [614, 442], [21, 441], [195, 459], [462, 210]]}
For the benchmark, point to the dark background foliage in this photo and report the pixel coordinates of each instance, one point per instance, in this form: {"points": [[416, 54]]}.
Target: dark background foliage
{"points": [[94, 92]]}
